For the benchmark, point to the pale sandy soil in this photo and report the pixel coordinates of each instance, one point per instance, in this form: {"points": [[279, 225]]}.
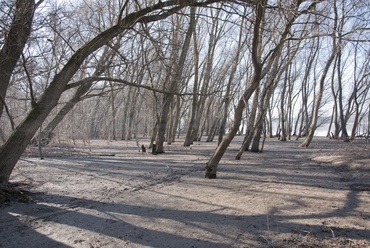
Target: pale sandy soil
{"points": [[284, 197]]}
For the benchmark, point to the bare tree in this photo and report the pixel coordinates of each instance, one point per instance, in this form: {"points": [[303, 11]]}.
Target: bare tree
{"points": [[174, 80], [15, 145], [202, 82], [261, 68], [311, 131]]}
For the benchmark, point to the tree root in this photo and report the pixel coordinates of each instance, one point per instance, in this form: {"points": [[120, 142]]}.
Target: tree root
{"points": [[10, 193]]}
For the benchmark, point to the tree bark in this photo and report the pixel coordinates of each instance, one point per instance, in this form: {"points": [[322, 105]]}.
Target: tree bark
{"points": [[14, 43]]}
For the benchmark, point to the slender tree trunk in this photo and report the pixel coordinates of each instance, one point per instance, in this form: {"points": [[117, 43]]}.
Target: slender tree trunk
{"points": [[251, 121], [227, 97], [355, 121], [318, 98], [269, 124], [194, 106], [334, 93], [282, 109], [176, 121], [125, 115], [113, 106]]}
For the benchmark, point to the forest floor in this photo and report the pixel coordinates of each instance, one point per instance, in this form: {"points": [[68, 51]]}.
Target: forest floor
{"points": [[108, 194]]}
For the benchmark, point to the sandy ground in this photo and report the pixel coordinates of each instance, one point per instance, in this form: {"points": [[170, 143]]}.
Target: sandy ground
{"points": [[109, 194]]}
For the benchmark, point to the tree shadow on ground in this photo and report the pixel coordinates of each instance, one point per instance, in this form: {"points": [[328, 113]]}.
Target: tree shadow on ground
{"points": [[109, 219], [138, 224]]}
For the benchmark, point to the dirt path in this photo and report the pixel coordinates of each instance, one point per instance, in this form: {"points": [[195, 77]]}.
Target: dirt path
{"points": [[283, 197]]}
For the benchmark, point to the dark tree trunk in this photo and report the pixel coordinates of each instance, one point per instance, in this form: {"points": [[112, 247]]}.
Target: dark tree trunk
{"points": [[14, 43]]}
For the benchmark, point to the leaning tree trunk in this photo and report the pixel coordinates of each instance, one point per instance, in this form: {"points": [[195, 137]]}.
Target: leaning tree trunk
{"points": [[47, 133], [211, 167], [250, 124], [312, 128], [14, 43]]}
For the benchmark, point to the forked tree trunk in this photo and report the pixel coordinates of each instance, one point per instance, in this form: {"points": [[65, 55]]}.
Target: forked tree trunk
{"points": [[211, 167]]}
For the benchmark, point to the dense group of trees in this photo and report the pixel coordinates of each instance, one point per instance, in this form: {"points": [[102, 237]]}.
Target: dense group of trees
{"points": [[207, 69]]}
